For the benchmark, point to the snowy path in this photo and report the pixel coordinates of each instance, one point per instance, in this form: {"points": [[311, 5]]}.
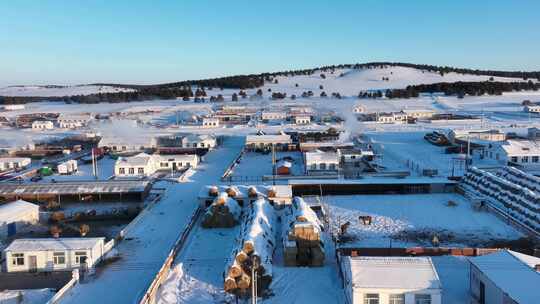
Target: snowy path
{"points": [[149, 241]]}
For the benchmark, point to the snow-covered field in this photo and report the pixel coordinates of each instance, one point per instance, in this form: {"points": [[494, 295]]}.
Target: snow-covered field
{"points": [[58, 91], [26, 296], [395, 214]]}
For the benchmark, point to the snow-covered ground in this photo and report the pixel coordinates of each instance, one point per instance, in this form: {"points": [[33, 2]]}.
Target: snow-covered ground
{"points": [[149, 240], [395, 214], [58, 91], [26, 296], [254, 164]]}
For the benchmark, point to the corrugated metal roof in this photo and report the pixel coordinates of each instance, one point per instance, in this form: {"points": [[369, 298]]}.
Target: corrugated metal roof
{"points": [[74, 187]]}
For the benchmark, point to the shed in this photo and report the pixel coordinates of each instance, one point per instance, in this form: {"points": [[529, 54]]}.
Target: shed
{"points": [[505, 277], [283, 167], [407, 280], [15, 215], [53, 254]]}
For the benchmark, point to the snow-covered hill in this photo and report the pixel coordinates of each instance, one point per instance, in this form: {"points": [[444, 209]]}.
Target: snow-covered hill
{"points": [[350, 81], [54, 91]]}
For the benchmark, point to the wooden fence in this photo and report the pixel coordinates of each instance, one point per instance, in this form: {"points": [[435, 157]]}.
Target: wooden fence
{"points": [[149, 296]]}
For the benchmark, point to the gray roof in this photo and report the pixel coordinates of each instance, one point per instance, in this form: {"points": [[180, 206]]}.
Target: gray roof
{"points": [[67, 188]]}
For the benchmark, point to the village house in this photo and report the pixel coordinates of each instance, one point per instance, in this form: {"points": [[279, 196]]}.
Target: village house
{"points": [[133, 145], [199, 141], [145, 165], [210, 122], [532, 108], [53, 254], [281, 142], [521, 153], [302, 119], [73, 121], [391, 280], [354, 157], [504, 277], [42, 125], [321, 163], [16, 215], [235, 114], [13, 107], [462, 136], [418, 113], [273, 116], [15, 163]]}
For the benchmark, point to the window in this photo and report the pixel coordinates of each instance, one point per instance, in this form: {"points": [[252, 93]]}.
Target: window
{"points": [[513, 159], [179, 164], [140, 171], [17, 259], [313, 166], [353, 156], [397, 299], [131, 170], [332, 166], [535, 159], [80, 257], [322, 166], [194, 145], [524, 159], [59, 258], [122, 170], [124, 148], [188, 164], [422, 299], [164, 165], [371, 298]]}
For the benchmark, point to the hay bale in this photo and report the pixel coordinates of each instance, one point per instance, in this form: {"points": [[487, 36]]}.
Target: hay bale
{"points": [[252, 192], [241, 257], [235, 270], [221, 198], [272, 192], [232, 192], [230, 284], [243, 281], [213, 191]]}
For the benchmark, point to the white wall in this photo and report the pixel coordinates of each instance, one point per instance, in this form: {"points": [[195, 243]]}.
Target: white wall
{"points": [[493, 294], [45, 259], [384, 295]]}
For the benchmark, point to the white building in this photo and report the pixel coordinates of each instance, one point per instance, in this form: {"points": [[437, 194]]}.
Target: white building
{"points": [[533, 133], [261, 142], [14, 107], [73, 121], [484, 135], [15, 215], [8, 163], [144, 164], [522, 153], [273, 115], [505, 277], [419, 113], [210, 122], [122, 145], [42, 125], [391, 280], [532, 108], [319, 162], [199, 141], [53, 254], [302, 119], [67, 167]]}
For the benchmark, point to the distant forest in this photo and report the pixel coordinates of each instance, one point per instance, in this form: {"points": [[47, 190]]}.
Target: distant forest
{"points": [[184, 89]]}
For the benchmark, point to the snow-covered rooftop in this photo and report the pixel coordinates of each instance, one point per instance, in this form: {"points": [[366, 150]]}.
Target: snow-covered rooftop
{"points": [[521, 147], [513, 273], [320, 156], [53, 244], [268, 139], [393, 273], [12, 211]]}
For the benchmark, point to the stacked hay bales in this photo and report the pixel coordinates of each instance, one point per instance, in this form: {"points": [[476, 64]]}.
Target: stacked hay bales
{"points": [[302, 245], [254, 244], [224, 212]]}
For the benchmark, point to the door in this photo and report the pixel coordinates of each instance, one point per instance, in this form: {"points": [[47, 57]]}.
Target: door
{"points": [[32, 263], [482, 293], [11, 229]]}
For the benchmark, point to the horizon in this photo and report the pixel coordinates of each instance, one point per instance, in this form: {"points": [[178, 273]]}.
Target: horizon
{"points": [[76, 42]]}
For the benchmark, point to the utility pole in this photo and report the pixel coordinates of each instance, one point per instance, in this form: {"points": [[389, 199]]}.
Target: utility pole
{"points": [[255, 263], [273, 165]]}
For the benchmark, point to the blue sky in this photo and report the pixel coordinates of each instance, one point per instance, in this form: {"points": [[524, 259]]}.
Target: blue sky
{"points": [[84, 41]]}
